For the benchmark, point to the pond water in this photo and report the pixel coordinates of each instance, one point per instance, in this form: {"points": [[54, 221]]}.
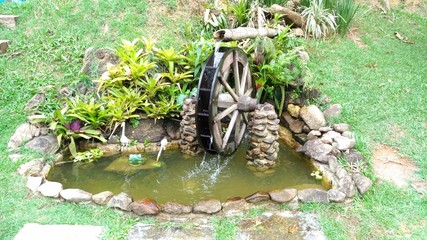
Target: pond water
{"points": [[187, 179]]}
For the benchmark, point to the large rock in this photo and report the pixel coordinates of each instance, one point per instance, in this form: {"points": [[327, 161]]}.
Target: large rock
{"points": [[258, 197], [48, 145], [147, 130], [316, 150], [145, 206], [343, 143], [236, 204], [76, 195], [22, 134], [102, 198], [332, 111], [313, 117], [336, 196], [313, 195], [121, 201], [173, 129], [283, 195], [95, 62], [33, 183], [176, 208], [32, 168], [341, 127], [293, 110], [50, 189], [354, 158], [35, 102], [346, 185], [296, 126], [207, 206], [363, 183]]}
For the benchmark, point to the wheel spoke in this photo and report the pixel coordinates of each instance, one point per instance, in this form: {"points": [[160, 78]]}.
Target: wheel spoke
{"points": [[248, 92], [244, 77], [230, 129], [245, 118], [236, 74], [216, 133], [224, 113], [229, 89], [240, 129]]}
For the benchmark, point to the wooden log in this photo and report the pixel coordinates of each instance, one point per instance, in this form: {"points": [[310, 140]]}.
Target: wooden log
{"points": [[226, 35], [290, 16]]}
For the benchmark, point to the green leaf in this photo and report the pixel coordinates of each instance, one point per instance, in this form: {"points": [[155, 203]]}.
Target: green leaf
{"points": [[72, 147]]}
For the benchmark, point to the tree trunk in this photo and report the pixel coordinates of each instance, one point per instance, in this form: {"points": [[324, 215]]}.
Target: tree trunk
{"points": [[290, 16], [226, 35]]}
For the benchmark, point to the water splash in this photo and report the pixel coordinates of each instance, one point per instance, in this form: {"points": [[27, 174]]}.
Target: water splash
{"points": [[207, 172]]}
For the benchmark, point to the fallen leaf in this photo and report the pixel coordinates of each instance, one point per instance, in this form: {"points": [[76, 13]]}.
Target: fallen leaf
{"points": [[402, 39]]}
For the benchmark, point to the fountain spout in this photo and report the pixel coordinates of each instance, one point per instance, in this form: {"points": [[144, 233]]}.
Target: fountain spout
{"points": [[163, 144]]}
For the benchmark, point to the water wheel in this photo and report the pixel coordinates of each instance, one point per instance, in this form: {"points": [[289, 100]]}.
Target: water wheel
{"points": [[225, 96]]}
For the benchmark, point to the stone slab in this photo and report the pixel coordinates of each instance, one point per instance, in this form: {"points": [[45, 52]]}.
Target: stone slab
{"points": [[150, 231], [59, 232], [8, 21], [4, 44]]}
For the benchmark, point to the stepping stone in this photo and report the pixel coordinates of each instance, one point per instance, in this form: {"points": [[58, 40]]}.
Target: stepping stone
{"points": [[8, 21], [4, 44], [150, 231], [280, 225], [59, 232]]}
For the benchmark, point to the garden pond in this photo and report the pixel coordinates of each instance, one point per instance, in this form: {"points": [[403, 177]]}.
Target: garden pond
{"points": [[187, 179]]}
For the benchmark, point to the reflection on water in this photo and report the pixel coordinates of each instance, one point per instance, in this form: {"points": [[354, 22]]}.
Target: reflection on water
{"points": [[187, 179]]}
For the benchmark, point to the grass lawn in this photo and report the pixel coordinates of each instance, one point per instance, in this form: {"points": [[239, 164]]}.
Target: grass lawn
{"points": [[382, 88]]}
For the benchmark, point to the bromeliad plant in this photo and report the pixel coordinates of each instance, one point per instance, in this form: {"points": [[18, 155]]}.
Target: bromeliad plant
{"points": [[68, 128]]}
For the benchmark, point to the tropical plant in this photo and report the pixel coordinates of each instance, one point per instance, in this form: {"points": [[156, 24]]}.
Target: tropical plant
{"points": [[92, 112], [196, 54], [69, 129], [240, 10], [319, 20], [346, 11]]}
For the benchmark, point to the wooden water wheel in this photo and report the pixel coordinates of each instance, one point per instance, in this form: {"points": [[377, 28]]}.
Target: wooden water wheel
{"points": [[225, 96]]}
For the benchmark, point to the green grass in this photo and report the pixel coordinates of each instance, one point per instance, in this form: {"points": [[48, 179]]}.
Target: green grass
{"points": [[382, 89]]}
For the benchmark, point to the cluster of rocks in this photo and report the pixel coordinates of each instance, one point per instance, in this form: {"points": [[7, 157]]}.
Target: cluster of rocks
{"points": [[35, 137], [324, 144], [189, 143], [263, 129]]}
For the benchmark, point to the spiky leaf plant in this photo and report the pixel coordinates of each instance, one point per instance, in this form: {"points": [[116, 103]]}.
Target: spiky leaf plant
{"points": [[346, 11], [319, 20]]}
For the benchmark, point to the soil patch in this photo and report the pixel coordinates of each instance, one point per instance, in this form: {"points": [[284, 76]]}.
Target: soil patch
{"points": [[390, 165], [353, 35]]}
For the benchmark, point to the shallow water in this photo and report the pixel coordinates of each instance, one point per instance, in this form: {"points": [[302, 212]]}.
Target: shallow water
{"points": [[187, 179]]}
